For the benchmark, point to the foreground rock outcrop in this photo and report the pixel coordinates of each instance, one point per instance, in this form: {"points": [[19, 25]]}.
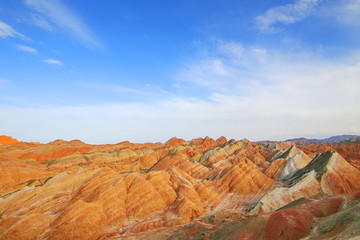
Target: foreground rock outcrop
{"points": [[324, 218], [198, 189]]}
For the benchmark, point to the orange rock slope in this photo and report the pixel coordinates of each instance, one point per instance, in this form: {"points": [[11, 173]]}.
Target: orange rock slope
{"points": [[7, 140], [72, 190]]}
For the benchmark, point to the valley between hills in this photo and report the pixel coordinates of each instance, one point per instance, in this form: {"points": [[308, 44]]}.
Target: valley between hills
{"points": [[198, 189]]}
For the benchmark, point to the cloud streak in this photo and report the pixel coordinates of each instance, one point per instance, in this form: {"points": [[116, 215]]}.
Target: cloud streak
{"points": [[26, 49], [61, 16], [285, 15], [53, 62], [7, 31]]}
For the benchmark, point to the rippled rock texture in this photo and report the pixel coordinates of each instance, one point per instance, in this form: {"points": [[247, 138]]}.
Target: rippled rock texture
{"points": [[198, 189]]}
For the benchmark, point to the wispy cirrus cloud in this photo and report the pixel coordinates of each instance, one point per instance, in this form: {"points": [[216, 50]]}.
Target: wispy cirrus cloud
{"points": [[61, 16], [41, 22], [53, 62], [348, 12], [26, 49], [7, 31], [285, 14]]}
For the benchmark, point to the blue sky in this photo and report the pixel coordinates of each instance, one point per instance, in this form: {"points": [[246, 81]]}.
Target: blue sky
{"points": [[147, 71]]}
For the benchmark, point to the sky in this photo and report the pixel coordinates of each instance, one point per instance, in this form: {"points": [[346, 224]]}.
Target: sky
{"points": [[145, 71]]}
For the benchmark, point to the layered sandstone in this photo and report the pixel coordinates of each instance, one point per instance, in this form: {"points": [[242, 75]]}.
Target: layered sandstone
{"points": [[73, 190]]}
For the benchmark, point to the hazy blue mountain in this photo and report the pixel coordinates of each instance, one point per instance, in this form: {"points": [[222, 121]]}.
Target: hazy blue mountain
{"points": [[333, 139]]}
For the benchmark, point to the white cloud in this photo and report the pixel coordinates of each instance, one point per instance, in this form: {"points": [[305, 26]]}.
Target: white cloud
{"points": [[230, 65], [53, 62], [60, 15], [285, 14], [348, 12], [26, 49], [256, 69], [253, 92], [8, 31], [233, 116], [269, 92], [262, 94]]}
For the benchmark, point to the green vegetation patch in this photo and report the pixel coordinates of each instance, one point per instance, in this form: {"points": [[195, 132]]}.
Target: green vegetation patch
{"points": [[347, 221], [53, 161]]}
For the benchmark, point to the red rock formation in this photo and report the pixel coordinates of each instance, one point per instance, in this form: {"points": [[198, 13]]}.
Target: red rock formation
{"points": [[7, 140], [274, 170], [288, 225], [221, 140], [73, 190], [174, 142], [340, 176], [81, 220], [28, 227], [204, 143], [16, 175], [243, 179]]}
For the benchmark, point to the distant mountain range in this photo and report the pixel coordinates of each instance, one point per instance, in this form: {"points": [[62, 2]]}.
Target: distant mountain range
{"points": [[351, 141], [333, 139], [345, 139]]}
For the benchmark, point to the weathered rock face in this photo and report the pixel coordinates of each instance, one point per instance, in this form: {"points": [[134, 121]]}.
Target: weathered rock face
{"points": [[16, 175], [350, 152], [296, 159], [72, 190], [336, 176], [281, 196], [339, 176], [275, 169], [27, 227], [327, 173]]}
